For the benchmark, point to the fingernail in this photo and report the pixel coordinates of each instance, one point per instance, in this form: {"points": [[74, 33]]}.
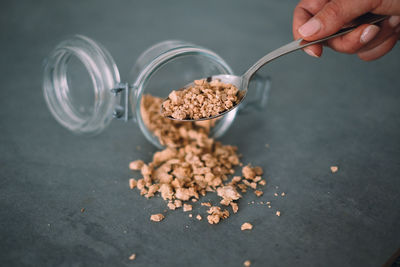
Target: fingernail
{"points": [[310, 52], [310, 27], [369, 33], [394, 21]]}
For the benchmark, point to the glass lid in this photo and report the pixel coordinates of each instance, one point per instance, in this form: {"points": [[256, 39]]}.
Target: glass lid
{"points": [[78, 76]]}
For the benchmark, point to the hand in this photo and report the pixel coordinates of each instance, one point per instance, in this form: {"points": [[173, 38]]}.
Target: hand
{"points": [[315, 19]]}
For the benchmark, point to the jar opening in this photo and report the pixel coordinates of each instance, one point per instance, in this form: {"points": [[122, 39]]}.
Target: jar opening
{"points": [[78, 77]]}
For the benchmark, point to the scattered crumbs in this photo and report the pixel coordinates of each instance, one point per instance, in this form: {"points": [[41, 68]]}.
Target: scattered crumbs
{"points": [[268, 203], [132, 183], [82, 210], [269, 206], [276, 194], [234, 207], [334, 169], [136, 165], [171, 205], [198, 217], [246, 226], [262, 203], [283, 194], [187, 207], [157, 217], [178, 203], [278, 213], [252, 202], [194, 199], [258, 193], [247, 263], [132, 257], [262, 182], [216, 214], [208, 204], [190, 215]]}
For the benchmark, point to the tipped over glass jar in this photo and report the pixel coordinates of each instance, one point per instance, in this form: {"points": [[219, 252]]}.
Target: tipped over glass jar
{"points": [[84, 92]]}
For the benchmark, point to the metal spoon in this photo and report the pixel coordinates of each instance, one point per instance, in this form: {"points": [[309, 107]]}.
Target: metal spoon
{"points": [[242, 82]]}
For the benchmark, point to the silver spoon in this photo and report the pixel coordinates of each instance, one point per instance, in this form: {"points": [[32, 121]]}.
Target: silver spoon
{"points": [[242, 82]]}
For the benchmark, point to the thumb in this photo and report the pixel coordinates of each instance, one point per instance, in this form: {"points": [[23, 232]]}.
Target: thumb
{"points": [[336, 13]]}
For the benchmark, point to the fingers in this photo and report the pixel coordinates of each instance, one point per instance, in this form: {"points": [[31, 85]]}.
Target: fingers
{"points": [[379, 50], [352, 42], [336, 13], [332, 17], [386, 31], [302, 13]]}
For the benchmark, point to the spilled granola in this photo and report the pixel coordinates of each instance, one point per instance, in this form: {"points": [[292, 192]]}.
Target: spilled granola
{"points": [[191, 165]]}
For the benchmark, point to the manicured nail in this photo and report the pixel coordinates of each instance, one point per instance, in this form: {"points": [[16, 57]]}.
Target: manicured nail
{"points": [[310, 27], [369, 33], [310, 52], [394, 21]]}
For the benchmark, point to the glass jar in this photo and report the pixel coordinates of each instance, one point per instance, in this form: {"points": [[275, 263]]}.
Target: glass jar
{"points": [[83, 90]]}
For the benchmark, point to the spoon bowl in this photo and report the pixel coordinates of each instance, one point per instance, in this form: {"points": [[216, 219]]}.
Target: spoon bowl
{"points": [[237, 81]]}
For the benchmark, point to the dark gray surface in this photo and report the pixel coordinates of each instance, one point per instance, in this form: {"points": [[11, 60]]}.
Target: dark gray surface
{"points": [[335, 110]]}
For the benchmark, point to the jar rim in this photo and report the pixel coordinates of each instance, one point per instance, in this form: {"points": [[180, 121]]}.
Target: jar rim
{"points": [[103, 74]]}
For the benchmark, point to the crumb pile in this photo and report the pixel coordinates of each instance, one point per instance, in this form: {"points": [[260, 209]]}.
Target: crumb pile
{"points": [[201, 100], [191, 165]]}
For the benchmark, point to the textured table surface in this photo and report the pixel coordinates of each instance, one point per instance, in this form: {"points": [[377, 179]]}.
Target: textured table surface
{"points": [[336, 110]]}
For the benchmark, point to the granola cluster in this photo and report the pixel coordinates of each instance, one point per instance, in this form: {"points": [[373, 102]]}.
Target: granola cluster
{"points": [[201, 100], [191, 165]]}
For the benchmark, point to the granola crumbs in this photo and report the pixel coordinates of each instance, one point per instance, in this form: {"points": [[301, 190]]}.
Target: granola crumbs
{"points": [[157, 217], [247, 263], [234, 207], [246, 226], [171, 206], [216, 214], [201, 100], [334, 169], [207, 204], [132, 257], [258, 193], [262, 182], [132, 183], [278, 213], [136, 165], [187, 207], [198, 217]]}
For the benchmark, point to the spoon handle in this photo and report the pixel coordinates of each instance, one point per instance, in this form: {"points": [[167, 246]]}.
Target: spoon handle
{"points": [[367, 18]]}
